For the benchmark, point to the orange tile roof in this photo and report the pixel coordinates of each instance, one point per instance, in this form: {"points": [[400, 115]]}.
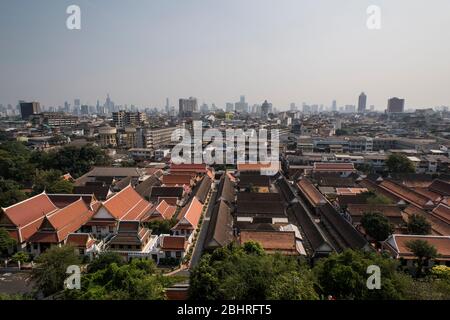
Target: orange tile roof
{"points": [[176, 179], [190, 215], [64, 221], [399, 244], [407, 194], [22, 213], [80, 240], [28, 215], [173, 243], [442, 212], [310, 191], [164, 210], [196, 168], [127, 205], [331, 167]]}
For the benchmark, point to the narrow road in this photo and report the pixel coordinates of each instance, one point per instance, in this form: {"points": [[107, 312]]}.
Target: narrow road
{"points": [[198, 250]]}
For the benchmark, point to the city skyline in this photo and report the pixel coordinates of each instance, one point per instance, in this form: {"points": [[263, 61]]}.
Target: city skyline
{"points": [[296, 51]]}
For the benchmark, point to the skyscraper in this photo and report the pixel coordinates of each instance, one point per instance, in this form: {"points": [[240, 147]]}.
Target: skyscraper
{"points": [[334, 106], [395, 105], [29, 108], [241, 106], [362, 102], [265, 108], [187, 107]]}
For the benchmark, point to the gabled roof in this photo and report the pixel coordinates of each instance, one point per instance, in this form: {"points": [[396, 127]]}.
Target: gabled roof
{"points": [[127, 205], [441, 187], [163, 210], [80, 240], [226, 189], [442, 212], [333, 167], [63, 200], [176, 179], [145, 187], [60, 223], [202, 189], [191, 168], [220, 227], [407, 194], [27, 216], [190, 215], [397, 243], [319, 244], [130, 233], [173, 243], [311, 193], [158, 192]]}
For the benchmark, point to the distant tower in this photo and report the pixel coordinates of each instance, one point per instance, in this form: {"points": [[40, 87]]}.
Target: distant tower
{"points": [[265, 109], [396, 105], [362, 101]]}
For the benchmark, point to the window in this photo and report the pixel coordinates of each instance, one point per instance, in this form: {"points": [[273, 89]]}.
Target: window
{"points": [[178, 254], [168, 254]]}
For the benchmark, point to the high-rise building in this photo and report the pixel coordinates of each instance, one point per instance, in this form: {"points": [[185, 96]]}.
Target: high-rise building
{"points": [[29, 108], [241, 106], [362, 102], [123, 119], [293, 107], [187, 107], [265, 108], [395, 105], [334, 106], [84, 110], [229, 107]]}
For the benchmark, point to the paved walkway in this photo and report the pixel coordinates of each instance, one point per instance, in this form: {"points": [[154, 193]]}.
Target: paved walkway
{"points": [[198, 250]]}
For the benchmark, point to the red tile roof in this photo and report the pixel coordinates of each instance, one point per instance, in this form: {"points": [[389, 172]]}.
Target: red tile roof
{"points": [[80, 240], [63, 222], [163, 210], [332, 167], [190, 215], [311, 193], [127, 205], [27, 215], [195, 168], [172, 180], [442, 212], [407, 194], [398, 244], [173, 243]]}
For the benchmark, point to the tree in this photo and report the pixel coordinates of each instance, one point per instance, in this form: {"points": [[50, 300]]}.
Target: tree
{"points": [[51, 181], [104, 260], [376, 225], [21, 257], [293, 286], [399, 163], [344, 276], [10, 193], [50, 273], [7, 243], [418, 225], [247, 272], [161, 226], [136, 280], [423, 251]]}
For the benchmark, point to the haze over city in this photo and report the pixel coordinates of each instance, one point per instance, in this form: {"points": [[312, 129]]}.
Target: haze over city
{"points": [[284, 51]]}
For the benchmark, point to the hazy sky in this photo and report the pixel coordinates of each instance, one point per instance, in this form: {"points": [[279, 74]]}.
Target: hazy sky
{"points": [[142, 51]]}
